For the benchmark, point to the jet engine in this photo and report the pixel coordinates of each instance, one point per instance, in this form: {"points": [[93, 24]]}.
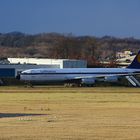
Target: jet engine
{"points": [[88, 81], [111, 79]]}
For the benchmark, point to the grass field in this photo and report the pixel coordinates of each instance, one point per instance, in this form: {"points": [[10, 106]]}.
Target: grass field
{"points": [[57, 113]]}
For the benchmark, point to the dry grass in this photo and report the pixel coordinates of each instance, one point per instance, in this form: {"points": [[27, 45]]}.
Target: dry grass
{"points": [[57, 113]]}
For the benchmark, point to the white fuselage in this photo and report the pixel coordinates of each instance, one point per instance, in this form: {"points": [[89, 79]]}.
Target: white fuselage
{"points": [[50, 75]]}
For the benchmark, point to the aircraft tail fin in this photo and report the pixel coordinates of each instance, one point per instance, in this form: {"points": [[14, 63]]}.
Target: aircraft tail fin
{"points": [[135, 63]]}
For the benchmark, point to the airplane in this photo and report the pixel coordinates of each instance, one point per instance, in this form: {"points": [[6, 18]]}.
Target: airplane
{"points": [[83, 76]]}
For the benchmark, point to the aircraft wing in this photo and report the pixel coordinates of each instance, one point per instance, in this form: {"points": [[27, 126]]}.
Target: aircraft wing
{"points": [[106, 75]]}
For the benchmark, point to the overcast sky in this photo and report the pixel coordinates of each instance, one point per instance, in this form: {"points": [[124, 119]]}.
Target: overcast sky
{"points": [[119, 18]]}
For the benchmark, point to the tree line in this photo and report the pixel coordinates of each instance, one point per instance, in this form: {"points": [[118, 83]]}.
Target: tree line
{"points": [[65, 46]]}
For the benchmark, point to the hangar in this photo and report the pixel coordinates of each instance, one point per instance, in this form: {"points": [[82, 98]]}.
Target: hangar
{"points": [[61, 63], [11, 67], [11, 70]]}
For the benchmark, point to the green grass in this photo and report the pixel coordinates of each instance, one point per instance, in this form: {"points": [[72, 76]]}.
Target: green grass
{"points": [[57, 113]]}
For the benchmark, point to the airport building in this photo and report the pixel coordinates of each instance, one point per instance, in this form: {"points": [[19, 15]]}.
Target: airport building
{"points": [[12, 70], [61, 63], [11, 67]]}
